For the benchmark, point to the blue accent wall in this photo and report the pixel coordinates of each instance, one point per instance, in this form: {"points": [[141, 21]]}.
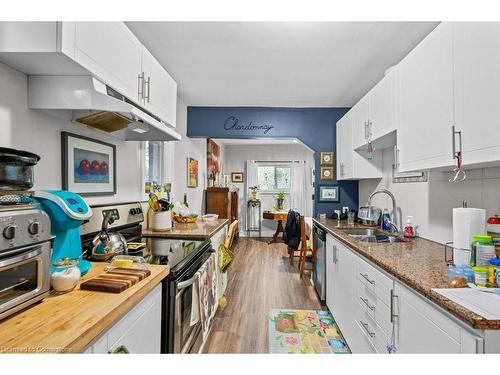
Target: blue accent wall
{"points": [[315, 127]]}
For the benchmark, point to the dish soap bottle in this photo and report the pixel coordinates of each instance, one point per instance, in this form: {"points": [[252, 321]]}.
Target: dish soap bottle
{"points": [[386, 218], [409, 229]]}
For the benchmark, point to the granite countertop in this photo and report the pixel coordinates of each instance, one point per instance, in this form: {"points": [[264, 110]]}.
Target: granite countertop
{"points": [[68, 323], [199, 230], [418, 263]]}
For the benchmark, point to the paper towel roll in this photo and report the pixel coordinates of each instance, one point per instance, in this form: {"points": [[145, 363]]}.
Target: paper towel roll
{"points": [[466, 222]]}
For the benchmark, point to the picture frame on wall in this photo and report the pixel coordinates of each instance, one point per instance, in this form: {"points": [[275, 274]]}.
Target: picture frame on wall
{"points": [[192, 172], [237, 177], [88, 165], [329, 194], [326, 158], [326, 173]]}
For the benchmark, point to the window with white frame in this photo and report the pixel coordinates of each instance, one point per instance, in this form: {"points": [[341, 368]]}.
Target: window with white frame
{"points": [[274, 177], [153, 161]]}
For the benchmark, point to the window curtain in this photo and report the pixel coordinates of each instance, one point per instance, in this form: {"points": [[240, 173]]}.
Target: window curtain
{"points": [[251, 179], [298, 187]]}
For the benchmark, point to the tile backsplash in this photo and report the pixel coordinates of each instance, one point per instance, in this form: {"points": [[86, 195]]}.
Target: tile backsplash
{"points": [[431, 203]]}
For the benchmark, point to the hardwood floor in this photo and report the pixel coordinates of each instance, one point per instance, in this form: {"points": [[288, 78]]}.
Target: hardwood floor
{"points": [[261, 278]]}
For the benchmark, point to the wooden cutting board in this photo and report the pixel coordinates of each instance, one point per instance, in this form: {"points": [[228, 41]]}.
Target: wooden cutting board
{"points": [[115, 281]]}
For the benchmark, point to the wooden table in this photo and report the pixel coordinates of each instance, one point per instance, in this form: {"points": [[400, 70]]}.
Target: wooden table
{"points": [[279, 216]]}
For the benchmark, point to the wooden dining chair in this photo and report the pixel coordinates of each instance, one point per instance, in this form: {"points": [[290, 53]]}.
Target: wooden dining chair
{"points": [[305, 250], [230, 234]]}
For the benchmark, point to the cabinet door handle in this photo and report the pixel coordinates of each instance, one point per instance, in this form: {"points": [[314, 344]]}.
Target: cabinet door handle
{"points": [[367, 328], [365, 301], [122, 349], [140, 88], [334, 254], [365, 276], [393, 314], [369, 130], [366, 130], [396, 158], [148, 86]]}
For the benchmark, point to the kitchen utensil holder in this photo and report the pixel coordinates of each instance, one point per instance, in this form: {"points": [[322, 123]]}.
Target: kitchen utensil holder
{"points": [[449, 248], [162, 221]]}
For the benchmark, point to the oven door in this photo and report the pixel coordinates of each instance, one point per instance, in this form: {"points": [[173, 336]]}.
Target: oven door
{"points": [[24, 277], [188, 337]]}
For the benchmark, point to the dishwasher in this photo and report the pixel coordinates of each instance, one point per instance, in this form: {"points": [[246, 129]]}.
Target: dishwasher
{"points": [[319, 274]]}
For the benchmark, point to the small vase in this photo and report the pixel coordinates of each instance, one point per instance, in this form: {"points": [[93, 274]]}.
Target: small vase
{"points": [[254, 195], [279, 204]]}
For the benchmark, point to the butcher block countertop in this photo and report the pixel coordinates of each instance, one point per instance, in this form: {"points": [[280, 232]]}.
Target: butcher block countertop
{"points": [[418, 263], [200, 230], [68, 323]]}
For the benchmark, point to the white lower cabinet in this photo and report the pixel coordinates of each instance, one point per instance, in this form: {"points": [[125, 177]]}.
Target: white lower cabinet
{"points": [[373, 310], [137, 332], [422, 328]]}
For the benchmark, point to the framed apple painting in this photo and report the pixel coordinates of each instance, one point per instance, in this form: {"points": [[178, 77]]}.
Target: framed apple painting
{"points": [[88, 165]]}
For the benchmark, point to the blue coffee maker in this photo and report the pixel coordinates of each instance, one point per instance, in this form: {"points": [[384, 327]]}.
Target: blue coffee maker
{"points": [[67, 211]]}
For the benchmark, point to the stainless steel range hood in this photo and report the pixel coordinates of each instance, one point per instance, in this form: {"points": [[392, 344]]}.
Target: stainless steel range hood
{"points": [[88, 101]]}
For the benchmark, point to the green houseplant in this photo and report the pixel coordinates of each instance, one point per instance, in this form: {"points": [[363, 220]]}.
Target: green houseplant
{"points": [[280, 200]]}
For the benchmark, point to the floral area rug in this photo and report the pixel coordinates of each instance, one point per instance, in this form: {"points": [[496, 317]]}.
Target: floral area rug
{"points": [[304, 331]]}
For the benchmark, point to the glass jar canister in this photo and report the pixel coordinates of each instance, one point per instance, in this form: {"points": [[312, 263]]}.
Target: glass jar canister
{"points": [[65, 275], [480, 275], [481, 250]]}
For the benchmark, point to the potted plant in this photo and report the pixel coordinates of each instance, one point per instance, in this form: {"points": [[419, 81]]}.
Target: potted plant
{"points": [[280, 200], [253, 191]]}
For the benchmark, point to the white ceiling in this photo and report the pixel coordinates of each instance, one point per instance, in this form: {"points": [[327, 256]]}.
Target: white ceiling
{"points": [[295, 64]]}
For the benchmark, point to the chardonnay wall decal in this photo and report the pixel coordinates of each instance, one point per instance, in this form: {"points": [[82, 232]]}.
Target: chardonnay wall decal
{"points": [[233, 123]]}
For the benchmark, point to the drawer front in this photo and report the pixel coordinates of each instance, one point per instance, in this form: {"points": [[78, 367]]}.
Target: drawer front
{"points": [[374, 307], [363, 342], [375, 281], [377, 336]]}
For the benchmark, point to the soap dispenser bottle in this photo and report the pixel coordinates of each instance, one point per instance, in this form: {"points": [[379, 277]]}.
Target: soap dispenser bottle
{"points": [[385, 222], [409, 229]]}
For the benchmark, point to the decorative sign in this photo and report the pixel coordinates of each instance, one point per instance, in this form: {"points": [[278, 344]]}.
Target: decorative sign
{"points": [[233, 123]]}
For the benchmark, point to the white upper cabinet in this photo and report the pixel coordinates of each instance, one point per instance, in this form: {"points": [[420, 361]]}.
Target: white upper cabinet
{"points": [[108, 51], [382, 118], [112, 53], [360, 114], [354, 165], [160, 90], [425, 103], [476, 48]]}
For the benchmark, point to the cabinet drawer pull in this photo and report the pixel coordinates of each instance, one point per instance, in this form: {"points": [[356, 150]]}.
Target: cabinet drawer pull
{"points": [[365, 276], [365, 301], [366, 327]]}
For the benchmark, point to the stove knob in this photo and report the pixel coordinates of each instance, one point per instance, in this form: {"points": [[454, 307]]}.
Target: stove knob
{"points": [[132, 211], [9, 232], [34, 228], [139, 211]]}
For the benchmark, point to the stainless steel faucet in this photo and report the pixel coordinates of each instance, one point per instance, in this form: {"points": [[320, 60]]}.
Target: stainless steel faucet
{"points": [[393, 222]]}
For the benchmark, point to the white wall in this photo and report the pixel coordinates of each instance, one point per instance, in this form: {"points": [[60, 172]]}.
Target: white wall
{"points": [[37, 132], [176, 154], [431, 203], [234, 161]]}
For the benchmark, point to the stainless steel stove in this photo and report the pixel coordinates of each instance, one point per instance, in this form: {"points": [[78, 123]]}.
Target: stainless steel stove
{"points": [[25, 248], [184, 256]]}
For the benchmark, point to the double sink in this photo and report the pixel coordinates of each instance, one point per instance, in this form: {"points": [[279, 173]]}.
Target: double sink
{"points": [[373, 235]]}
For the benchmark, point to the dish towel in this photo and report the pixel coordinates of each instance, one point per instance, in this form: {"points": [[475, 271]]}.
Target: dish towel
{"points": [[195, 301], [207, 289]]}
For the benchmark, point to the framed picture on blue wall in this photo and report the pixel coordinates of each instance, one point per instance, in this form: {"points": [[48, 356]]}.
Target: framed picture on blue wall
{"points": [[329, 194]]}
